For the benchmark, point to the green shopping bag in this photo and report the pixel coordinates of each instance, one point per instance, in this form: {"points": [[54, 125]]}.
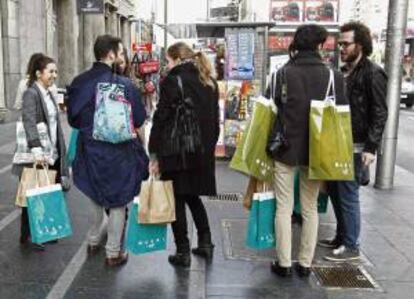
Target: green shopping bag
{"points": [[237, 162], [330, 139], [48, 214], [254, 154], [71, 152], [250, 156], [322, 198], [144, 238], [261, 225]]}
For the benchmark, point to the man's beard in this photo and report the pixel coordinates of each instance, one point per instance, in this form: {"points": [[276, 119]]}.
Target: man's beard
{"points": [[352, 56]]}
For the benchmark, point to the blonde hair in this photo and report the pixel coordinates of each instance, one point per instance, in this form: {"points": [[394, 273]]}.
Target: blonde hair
{"points": [[182, 51]]}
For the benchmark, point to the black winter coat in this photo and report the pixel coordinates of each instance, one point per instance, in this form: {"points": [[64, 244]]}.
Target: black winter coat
{"points": [[307, 79], [367, 90], [200, 179]]}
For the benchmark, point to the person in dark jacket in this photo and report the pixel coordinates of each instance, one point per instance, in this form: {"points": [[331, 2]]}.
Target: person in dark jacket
{"points": [[198, 179], [108, 173], [366, 89], [304, 78], [39, 106]]}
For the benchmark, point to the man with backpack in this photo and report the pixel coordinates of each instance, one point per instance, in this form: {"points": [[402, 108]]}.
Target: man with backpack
{"points": [[110, 161]]}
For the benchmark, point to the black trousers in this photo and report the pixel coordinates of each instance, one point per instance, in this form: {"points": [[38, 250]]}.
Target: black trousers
{"points": [[179, 227]]}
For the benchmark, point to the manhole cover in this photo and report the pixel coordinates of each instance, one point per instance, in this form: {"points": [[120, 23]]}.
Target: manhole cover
{"points": [[226, 197], [344, 276]]}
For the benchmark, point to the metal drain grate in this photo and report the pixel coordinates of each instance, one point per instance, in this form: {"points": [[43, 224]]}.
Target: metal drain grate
{"points": [[344, 276], [226, 197]]}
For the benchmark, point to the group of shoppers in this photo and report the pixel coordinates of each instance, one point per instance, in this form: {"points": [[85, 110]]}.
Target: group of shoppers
{"points": [[362, 84], [110, 174]]}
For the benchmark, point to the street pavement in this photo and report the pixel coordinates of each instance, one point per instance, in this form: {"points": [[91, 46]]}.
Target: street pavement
{"points": [[63, 270]]}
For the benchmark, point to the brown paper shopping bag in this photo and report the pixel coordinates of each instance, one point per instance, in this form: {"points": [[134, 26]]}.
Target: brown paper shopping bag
{"points": [[254, 186], [45, 177], [156, 202]]}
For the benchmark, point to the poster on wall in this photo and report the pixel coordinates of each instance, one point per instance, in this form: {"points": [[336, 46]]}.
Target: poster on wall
{"points": [[321, 11], [240, 54], [280, 42], [286, 11]]}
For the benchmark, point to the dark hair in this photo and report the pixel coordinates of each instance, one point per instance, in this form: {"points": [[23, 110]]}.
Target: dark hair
{"points": [[308, 38], [362, 36], [105, 44], [32, 58], [39, 64], [127, 71]]}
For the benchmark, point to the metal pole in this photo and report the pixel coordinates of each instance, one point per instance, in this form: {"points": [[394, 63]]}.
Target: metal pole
{"points": [[397, 22], [3, 109], [165, 27]]}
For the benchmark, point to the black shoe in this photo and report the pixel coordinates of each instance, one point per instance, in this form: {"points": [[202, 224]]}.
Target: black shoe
{"points": [[180, 259], [279, 270], [328, 243], [205, 251], [302, 271]]}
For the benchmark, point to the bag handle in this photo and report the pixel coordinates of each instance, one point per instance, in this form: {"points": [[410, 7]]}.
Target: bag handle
{"points": [[331, 86], [45, 167]]}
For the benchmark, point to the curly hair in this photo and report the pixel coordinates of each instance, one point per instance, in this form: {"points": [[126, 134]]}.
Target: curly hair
{"points": [[362, 36]]}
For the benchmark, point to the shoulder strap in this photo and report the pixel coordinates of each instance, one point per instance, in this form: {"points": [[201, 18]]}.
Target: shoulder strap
{"points": [[180, 86], [284, 86]]}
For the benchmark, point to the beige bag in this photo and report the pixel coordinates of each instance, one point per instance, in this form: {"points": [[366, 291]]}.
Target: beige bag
{"points": [[33, 178], [156, 202]]}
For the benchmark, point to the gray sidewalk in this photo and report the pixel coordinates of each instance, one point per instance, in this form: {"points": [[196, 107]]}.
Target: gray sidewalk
{"points": [[387, 247]]}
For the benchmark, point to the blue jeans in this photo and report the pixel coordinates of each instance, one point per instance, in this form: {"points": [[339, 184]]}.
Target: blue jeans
{"points": [[345, 201]]}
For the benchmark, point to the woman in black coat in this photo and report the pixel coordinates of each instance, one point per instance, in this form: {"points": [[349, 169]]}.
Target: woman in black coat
{"points": [[198, 176]]}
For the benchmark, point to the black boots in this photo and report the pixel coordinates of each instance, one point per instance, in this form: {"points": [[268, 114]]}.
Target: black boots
{"points": [[180, 259], [205, 246]]}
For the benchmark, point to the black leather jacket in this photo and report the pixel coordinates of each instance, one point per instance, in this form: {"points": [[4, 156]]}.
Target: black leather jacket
{"points": [[366, 90]]}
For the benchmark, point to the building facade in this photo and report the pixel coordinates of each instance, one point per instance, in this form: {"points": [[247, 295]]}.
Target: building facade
{"points": [[58, 29]]}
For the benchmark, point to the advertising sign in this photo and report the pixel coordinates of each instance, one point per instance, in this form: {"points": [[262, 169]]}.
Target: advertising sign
{"points": [[280, 41], [321, 11], [286, 11], [90, 6], [298, 11], [240, 54]]}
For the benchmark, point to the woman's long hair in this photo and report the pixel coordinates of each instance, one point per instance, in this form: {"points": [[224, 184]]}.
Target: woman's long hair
{"points": [[183, 52], [126, 72], [39, 64]]}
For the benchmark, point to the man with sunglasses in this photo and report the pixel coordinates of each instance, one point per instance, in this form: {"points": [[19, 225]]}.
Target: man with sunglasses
{"points": [[366, 84]]}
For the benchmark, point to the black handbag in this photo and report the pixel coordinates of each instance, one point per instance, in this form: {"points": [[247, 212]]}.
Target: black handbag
{"points": [[277, 141], [183, 138]]}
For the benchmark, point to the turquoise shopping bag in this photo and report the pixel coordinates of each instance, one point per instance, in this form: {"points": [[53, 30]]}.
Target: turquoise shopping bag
{"points": [[143, 238], [48, 214], [261, 225], [71, 152], [322, 198]]}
